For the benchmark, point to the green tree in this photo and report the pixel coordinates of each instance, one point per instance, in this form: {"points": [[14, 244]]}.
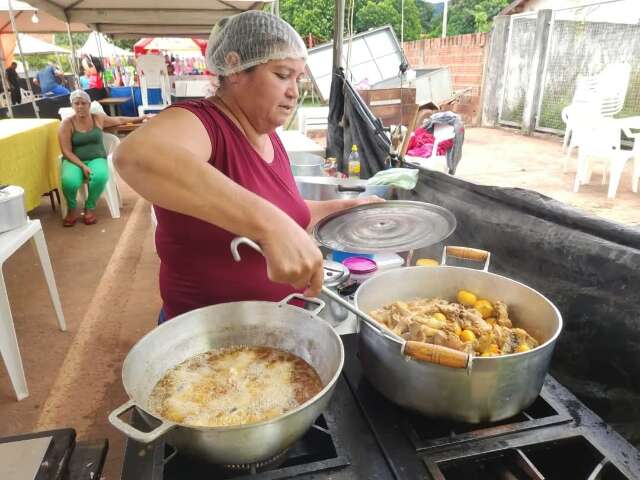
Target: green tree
{"points": [[377, 13], [313, 17], [427, 15], [469, 16]]}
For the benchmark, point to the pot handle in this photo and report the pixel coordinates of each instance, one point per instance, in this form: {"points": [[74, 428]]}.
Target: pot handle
{"points": [[427, 352], [320, 304], [475, 254], [132, 432]]}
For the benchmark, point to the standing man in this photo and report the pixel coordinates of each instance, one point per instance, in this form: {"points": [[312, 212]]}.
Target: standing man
{"points": [[14, 83], [48, 83]]}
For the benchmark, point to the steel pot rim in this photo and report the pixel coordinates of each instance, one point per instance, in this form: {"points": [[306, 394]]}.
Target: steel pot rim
{"points": [[330, 385], [549, 342]]}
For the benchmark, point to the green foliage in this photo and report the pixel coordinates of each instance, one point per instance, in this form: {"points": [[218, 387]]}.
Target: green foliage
{"points": [[468, 16], [62, 39], [427, 14], [313, 17], [125, 43], [377, 13]]}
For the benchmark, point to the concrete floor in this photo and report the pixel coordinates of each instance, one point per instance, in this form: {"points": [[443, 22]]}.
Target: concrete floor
{"points": [[107, 278]]}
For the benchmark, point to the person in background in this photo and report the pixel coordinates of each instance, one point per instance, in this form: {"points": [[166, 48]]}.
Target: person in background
{"points": [[84, 155], [84, 80], [47, 80], [14, 83]]}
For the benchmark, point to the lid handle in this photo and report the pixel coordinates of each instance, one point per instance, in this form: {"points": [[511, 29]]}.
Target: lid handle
{"points": [[466, 253]]}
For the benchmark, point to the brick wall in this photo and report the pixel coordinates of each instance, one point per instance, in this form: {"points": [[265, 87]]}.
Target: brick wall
{"points": [[463, 55]]}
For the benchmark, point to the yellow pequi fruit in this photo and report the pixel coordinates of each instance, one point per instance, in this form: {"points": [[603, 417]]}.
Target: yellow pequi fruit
{"points": [[467, 336], [440, 316], [484, 307], [523, 347], [467, 299], [427, 262]]}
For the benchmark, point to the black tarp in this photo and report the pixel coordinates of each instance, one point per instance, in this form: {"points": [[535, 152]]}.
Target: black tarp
{"points": [[587, 266], [351, 122]]}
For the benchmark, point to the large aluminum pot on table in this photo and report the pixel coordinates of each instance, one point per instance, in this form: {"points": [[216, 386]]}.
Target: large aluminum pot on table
{"points": [[491, 388], [257, 323]]}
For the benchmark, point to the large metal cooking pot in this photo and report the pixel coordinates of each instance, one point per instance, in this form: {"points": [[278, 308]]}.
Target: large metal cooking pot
{"points": [[303, 163], [329, 188], [493, 388], [278, 325]]}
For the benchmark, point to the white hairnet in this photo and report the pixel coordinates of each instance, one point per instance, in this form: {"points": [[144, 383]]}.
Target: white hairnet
{"points": [[79, 94], [255, 37]]}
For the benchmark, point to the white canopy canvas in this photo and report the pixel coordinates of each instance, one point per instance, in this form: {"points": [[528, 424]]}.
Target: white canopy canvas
{"points": [[147, 18], [23, 13], [31, 45], [108, 49]]}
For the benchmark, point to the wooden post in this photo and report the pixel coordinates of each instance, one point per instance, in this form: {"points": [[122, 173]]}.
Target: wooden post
{"points": [[494, 71], [534, 87]]}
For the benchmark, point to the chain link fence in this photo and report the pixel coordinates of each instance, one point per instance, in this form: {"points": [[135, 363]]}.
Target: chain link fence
{"points": [[582, 41], [518, 63]]}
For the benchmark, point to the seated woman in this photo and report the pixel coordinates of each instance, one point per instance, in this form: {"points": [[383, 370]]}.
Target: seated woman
{"points": [[84, 155]]}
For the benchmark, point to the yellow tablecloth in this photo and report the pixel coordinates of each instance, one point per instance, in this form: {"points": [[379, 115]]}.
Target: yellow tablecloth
{"points": [[29, 152]]}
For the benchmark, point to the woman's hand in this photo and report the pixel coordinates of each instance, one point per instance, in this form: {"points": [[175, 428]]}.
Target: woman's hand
{"points": [[364, 200], [292, 256], [86, 171]]}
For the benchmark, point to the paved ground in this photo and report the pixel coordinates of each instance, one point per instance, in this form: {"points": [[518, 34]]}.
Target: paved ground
{"points": [[107, 277]]}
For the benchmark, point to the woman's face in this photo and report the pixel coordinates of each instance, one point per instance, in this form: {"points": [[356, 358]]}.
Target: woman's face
{"points": [[80, 106], [268, 93]]}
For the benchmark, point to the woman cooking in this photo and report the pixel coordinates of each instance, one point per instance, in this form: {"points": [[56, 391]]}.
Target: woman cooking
{"points": [[215, 169]]}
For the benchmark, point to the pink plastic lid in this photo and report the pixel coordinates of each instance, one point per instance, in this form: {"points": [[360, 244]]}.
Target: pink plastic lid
{"points": [[360, 265]]}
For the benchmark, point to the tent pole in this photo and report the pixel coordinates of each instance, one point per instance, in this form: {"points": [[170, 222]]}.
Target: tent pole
{"points": [[3, 77], [338, 35], [24, 63], [74, 66]]}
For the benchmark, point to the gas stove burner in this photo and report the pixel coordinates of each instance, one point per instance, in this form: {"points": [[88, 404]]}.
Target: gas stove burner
{"points": [[255, 467]]}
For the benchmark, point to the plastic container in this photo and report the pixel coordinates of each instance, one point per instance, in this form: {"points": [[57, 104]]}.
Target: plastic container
{"points": [[338, 256], [361, 268], [387, 261]]}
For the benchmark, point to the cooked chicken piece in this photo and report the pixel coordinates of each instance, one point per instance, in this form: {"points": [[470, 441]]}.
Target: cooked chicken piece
{"points": [[502, 314], [453, 325]]}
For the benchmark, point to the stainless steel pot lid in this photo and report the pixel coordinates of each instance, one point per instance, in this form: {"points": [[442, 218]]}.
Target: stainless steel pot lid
{"points": [[335, 273], [393, 226]]}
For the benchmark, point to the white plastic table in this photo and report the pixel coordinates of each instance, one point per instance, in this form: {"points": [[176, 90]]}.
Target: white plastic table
{"points": [[10, 242]]}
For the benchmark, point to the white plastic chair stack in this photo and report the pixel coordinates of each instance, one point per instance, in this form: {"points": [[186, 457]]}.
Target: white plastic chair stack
{"points": [[152, 71], [635, 175], [27, 96], [313, 118], [595, 98], [4, 103]]}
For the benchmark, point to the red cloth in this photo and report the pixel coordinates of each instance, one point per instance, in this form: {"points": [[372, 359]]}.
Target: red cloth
{"points": [[95, 80], [196, 267], [421, 144]]}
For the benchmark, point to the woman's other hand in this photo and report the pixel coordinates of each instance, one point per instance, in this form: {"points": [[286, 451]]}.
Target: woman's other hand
{"points": [[292, 256], [365, 200], [86, 171]]}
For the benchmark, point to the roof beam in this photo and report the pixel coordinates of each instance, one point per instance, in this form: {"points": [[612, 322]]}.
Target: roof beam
{"points": [[51, 8], [148, 16]]}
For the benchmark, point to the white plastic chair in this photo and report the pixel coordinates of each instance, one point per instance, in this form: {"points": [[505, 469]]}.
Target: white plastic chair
{"points": [[635, 175], [10, 242], [601, 140], [599, 97], [313, 118], [4, 103], [152, 71], [435, 162], [27, 96], [96, 107], [111, 192]]}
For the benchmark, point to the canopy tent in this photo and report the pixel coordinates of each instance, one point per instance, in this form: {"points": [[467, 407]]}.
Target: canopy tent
{"points": [[147, 18], [23, 14], [98, 45], [185, 46], [32, 45]]}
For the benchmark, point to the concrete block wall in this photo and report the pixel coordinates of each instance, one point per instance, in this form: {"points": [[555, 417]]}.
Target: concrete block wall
{"points": [[463, 55]]}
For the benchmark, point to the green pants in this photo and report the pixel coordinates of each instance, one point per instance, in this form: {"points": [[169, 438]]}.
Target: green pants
{"points": [[72, 179]]}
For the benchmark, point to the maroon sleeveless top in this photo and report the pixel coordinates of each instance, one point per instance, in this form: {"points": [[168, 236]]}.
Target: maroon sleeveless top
{"points": [[196, 267]]}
